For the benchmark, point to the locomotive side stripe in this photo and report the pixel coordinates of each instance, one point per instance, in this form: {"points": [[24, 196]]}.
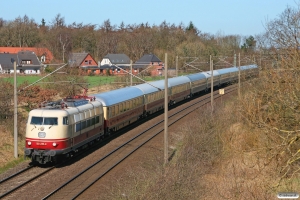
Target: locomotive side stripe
{"points": [[48, 143]]}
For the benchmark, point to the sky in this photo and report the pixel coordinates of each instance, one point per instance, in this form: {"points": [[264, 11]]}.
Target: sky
{"points": [[225, 17]]}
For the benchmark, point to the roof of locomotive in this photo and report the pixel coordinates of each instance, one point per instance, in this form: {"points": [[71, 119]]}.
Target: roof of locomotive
{"points": [[116, 96], [58, 111], [227, 70], [46, 112], [196, 77]]}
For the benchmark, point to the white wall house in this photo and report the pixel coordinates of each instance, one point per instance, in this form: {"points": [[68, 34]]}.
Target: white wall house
{"points": [[115, 59], [26, 63]]}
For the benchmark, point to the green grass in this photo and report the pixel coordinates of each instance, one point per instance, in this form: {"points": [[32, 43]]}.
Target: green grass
{"points": [[99, 80], [92, 80], [13, 164], [22, 79]]}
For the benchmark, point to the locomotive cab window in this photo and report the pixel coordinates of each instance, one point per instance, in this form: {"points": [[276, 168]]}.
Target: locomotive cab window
{"points": [[50, 121], [44, 120], [65, 121], [36, 120]]}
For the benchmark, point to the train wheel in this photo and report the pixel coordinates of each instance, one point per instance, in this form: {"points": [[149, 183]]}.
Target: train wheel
{"points": [[108, 133], [33, 161], [58, 159]]}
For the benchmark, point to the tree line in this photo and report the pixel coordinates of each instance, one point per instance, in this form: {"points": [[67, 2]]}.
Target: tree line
{"points": [[134, 40]]}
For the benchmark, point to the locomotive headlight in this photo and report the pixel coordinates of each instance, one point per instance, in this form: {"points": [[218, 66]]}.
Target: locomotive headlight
{"points": [[54, 144], [29, 143]]}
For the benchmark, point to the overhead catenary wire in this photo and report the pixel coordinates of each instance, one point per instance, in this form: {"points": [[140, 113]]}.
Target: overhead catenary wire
{"points": [[42, 78], [138, 78]]}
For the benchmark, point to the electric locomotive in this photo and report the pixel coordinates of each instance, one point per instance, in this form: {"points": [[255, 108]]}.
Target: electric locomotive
{"points": [[61, 128]]}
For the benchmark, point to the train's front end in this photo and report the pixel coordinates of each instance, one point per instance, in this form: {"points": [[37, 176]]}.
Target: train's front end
{"points": [[47, 135]]}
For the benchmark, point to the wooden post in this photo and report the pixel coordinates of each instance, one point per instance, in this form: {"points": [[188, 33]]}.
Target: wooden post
{"points": [[15, 112], [239, 81], [131, 72], [212, 85], [166, 112], [176, 66]]}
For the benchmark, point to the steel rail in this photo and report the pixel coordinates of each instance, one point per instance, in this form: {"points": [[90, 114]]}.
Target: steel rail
{"points": [[19, 172], [26, 182]]}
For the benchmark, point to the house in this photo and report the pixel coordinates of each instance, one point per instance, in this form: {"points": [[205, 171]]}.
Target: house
{"points": [[84, 61], [44, 55], [26, 61], [150, 64], [115, 63], [116, 59]]}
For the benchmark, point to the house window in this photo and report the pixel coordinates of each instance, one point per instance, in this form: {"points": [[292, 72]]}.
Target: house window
{"points": [[86, 62], [90, 62], [26, 62], [43, 59]]}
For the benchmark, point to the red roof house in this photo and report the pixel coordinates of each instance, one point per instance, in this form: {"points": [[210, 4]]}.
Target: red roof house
{"points": [[84, 61], [44, 55]]}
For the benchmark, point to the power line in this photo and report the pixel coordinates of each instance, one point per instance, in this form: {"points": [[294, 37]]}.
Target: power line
{"points": [[43, 77]]}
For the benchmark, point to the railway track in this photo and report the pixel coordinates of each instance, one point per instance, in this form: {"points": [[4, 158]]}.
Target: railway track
{"points": [[27, 175], [21, 179], [84, 180]]}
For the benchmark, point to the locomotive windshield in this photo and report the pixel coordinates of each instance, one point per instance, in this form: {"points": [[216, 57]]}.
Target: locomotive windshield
{"points": [[44, 120]]}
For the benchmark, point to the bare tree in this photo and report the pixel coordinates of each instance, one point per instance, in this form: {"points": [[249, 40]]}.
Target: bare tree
{"points": [[273, 103]]}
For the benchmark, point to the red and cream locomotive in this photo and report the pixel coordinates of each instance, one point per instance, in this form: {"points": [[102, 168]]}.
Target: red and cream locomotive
{"points": [[62, 128]]}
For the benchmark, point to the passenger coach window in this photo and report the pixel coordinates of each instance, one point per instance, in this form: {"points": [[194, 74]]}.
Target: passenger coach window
{"points": [[83, 124], [78, 127], [121, 107]]}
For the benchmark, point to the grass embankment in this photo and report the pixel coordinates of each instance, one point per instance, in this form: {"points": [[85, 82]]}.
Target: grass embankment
{"points": [[223, 156], [93, 81], [7, 159]]}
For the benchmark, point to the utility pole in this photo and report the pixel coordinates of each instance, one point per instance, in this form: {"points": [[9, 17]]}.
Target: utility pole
{"points": [[239, 81], [176, 66], [130, 72], [166, 112], [212, 84], [15, 111], [234, 60]]}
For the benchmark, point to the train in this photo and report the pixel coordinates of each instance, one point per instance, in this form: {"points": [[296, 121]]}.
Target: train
{"points": [[58, 129]]}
